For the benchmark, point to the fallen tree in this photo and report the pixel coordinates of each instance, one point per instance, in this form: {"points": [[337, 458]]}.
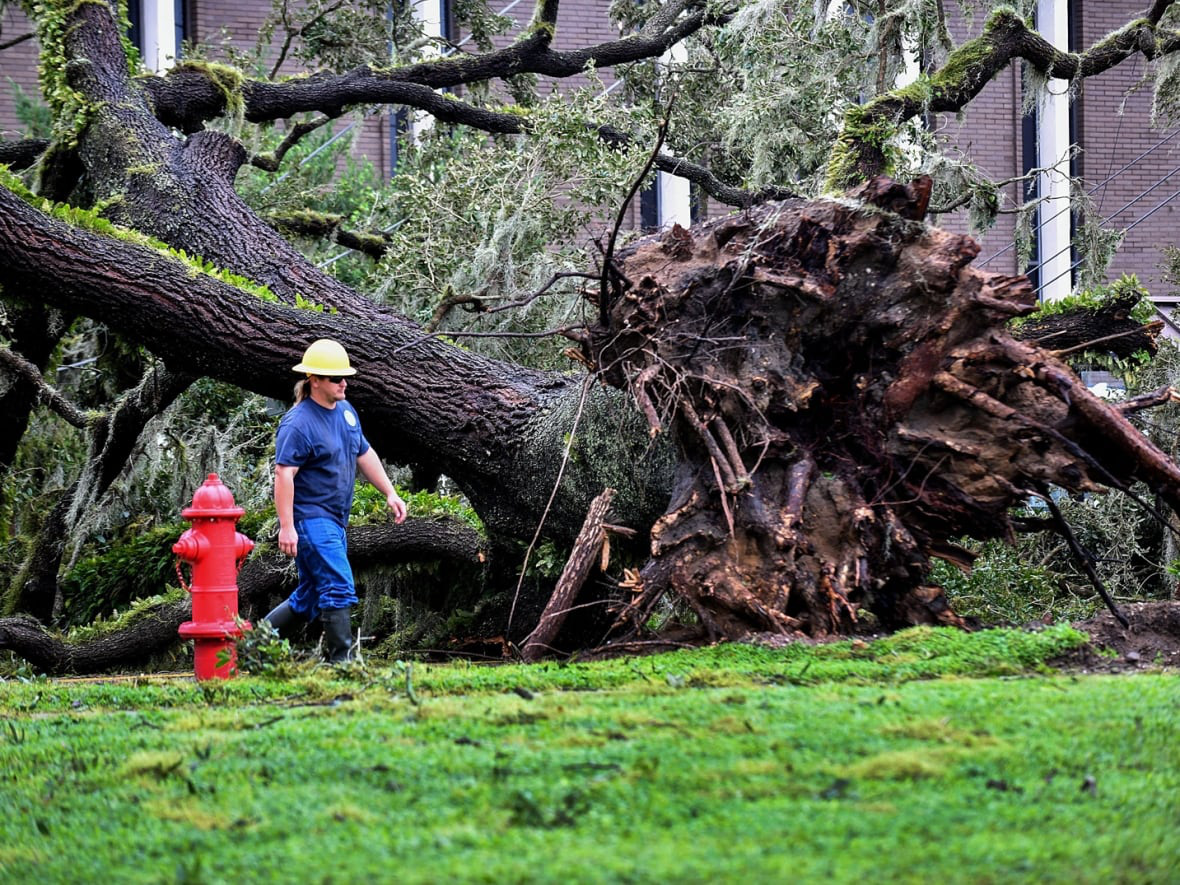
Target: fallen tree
{"points": [[827, 391], [838, 383]]}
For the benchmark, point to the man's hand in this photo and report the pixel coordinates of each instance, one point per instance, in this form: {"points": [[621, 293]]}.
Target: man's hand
{"points": [[397, 505], [289, 540]]}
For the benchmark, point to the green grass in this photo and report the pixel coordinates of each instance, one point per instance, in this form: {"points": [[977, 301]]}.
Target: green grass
{"points": [[839, 763]]}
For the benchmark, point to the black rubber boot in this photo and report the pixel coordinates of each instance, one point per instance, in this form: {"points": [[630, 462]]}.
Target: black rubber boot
{"points": [[284, 619], [337, 635]]}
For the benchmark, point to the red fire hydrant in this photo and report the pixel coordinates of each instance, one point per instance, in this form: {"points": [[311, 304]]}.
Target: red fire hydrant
{"points": [[216, 551]]}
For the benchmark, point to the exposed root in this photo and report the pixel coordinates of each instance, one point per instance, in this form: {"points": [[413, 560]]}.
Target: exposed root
{"points": [[884, 410]]}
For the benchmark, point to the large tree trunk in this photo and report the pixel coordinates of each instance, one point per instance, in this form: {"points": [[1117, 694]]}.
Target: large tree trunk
{"points": [[496, 428], [846, 401], [837, 381]]}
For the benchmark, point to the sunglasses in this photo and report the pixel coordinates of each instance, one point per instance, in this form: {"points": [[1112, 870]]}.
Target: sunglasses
{"points": [[335, 379]]}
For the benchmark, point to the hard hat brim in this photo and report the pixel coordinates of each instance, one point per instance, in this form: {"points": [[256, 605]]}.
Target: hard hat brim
{"points": [[311, 370]]}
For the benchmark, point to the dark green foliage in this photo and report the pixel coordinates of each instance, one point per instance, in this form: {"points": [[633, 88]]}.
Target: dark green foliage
{"points": [[420, 605], [260, 651], [138, 567], [1006, 586], [33, 115], [368, 506], [1038, 579]]}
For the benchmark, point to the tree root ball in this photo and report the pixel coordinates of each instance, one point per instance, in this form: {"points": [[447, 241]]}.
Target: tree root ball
{"points": [[846, 400]]}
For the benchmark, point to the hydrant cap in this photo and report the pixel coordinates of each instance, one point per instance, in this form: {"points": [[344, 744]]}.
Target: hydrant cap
{"points": [[213, 498]]}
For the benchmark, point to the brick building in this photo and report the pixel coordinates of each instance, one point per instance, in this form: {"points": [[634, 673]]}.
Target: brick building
{"points": [[1129, 165]]}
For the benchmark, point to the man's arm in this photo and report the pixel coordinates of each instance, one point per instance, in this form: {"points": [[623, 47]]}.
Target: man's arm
{"points": [[371, 469], [284, 507]]}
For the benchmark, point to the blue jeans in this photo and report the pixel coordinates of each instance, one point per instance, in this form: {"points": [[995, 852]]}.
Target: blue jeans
{"points": [[325, 577]]}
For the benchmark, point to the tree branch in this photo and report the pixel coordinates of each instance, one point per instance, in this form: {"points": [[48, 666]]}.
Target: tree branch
{"points": [[320, 224], [292, 33], [22, 154], [859, 153], [18, 367], [270, 162], [185, 98], [15, 41], [577, 569], [153, 630], [1083, 558]]}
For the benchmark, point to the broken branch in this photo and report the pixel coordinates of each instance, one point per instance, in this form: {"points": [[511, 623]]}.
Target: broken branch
{"points": [[587, 546]]}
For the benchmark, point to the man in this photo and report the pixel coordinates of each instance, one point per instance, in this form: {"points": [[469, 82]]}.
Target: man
{"points": [[318, 448]]}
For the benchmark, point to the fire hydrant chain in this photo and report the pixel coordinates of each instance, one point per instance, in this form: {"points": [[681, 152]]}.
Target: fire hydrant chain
{"points": [[180, 577]]}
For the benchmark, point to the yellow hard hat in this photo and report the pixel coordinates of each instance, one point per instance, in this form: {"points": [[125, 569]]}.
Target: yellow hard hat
{"points": [[325, 357]]}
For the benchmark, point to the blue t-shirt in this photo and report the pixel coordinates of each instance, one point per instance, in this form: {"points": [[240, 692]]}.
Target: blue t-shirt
{"points": [[324, 444]]}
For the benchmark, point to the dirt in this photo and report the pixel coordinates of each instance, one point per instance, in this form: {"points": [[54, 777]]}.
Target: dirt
{"points": [[1151, 641]]}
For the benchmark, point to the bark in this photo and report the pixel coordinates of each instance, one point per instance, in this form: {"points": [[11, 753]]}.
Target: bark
{"points": [[22, 154], [179, 191], [1106, 329], [153, 631], [846, 401]]}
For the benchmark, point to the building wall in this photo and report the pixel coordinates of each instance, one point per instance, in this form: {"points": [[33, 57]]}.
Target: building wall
{"points": [[18, 64], [1114, 128], [987, 134]]}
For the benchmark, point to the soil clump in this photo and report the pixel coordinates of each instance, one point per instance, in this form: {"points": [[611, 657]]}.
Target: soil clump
{"points": [[1151, 641]]}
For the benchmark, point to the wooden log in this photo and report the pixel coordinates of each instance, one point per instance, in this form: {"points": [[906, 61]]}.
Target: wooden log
{"points": [[260, 582], [1109, 328], [587, 546]]}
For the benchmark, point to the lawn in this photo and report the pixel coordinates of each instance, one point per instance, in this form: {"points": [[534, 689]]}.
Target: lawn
{"points": [[930, 756]]}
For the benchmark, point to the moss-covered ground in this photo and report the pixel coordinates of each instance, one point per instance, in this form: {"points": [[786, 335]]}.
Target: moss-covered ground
{"points": [[930, 756]]}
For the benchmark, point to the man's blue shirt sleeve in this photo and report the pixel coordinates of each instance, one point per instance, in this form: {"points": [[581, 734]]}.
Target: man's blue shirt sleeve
{"points": [[291, 448]]}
